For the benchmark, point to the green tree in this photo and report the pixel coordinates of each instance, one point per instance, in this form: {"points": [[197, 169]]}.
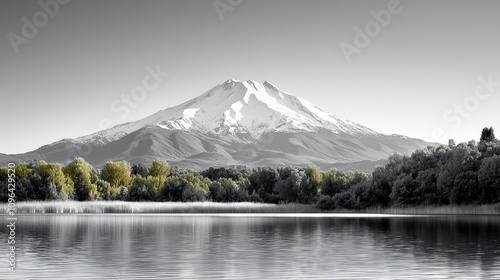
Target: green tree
{"points": [[356, 177], [157, 182], [3, 174], [117, 174], [310, 186], [159, 168], [335, 181], [84, 177], [141, 190], [106, 191], [226, 190], [331, 184], [184, 187], [22, 170], [158, 173], [196, 189], [59, 186]]}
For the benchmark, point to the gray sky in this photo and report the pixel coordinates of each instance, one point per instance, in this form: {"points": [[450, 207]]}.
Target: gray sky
{"points": [[63, 81]]}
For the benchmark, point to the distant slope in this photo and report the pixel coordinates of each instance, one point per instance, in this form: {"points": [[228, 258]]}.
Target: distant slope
{"points": [[234, 123], [194, 150]]}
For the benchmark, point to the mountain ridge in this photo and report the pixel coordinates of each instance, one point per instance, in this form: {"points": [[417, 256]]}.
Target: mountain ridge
{"points": [[225, 108], [234, 123]]}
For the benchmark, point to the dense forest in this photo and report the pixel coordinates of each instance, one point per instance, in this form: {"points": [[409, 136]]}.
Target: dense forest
{"points": [[465, 173]]}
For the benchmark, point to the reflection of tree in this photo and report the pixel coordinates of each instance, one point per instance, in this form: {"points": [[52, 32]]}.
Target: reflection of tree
{"points": [[233, 247], [459, 239]]}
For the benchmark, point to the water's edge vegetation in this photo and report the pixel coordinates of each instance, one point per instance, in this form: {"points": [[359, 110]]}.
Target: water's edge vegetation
{"points": [[76, 207], [103, 207], [443, 180]]}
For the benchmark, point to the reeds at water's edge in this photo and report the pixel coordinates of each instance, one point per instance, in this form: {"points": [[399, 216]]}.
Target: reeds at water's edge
{"points": [[490, 209], [90, 207], [155, 207]]}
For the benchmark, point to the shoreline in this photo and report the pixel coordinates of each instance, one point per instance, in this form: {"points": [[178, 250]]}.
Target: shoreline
{"points": [[125, 207], [486, 209]]}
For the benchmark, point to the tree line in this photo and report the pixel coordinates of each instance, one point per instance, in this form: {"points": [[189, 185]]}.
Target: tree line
{"points": [[467, 173]]}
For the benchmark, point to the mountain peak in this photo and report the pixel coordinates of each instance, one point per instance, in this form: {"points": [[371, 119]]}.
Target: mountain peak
{"points": [[231, 82], [248, 84], [243, 107], [271, 86], [229, 125]]}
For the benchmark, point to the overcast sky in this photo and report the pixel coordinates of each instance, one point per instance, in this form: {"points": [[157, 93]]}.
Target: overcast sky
{"points": [[408, 79]]}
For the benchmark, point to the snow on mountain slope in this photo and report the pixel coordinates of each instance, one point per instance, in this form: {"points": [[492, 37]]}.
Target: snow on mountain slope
{"points": [[234, 123], [239, 107]]}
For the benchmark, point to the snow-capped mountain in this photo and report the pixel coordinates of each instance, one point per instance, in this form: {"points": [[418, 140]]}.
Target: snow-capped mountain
{"points": [[240, 107], [234, 123]]}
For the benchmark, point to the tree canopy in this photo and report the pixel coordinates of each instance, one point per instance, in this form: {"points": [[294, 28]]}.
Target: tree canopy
{"points": [[464, 173]]}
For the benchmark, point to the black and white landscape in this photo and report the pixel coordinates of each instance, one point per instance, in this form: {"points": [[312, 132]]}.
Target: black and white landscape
{"points": [[235, 123], [249, 139]]}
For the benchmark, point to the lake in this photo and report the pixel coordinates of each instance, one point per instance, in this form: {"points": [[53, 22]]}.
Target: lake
{"points": [[253, 246]]}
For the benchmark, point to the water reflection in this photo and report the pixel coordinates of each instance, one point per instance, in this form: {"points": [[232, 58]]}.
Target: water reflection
{"points": [[161, 246]]}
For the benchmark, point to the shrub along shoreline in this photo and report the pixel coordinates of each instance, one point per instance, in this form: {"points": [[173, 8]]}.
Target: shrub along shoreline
{"points": [[126, 207], [436, 179]]}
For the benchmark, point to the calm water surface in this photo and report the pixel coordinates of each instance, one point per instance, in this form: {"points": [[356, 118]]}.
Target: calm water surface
{"points": [[136, 246]]}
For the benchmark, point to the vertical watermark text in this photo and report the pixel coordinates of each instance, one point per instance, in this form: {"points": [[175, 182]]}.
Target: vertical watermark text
{"points": [[11, 219]]}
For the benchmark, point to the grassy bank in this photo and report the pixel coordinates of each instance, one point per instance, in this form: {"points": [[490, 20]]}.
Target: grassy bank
{"points": [[155, 207], [241, 207], [491, 209]]}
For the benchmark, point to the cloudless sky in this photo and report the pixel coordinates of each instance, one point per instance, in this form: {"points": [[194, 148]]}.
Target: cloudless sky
{"points": [[64, 80]]}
